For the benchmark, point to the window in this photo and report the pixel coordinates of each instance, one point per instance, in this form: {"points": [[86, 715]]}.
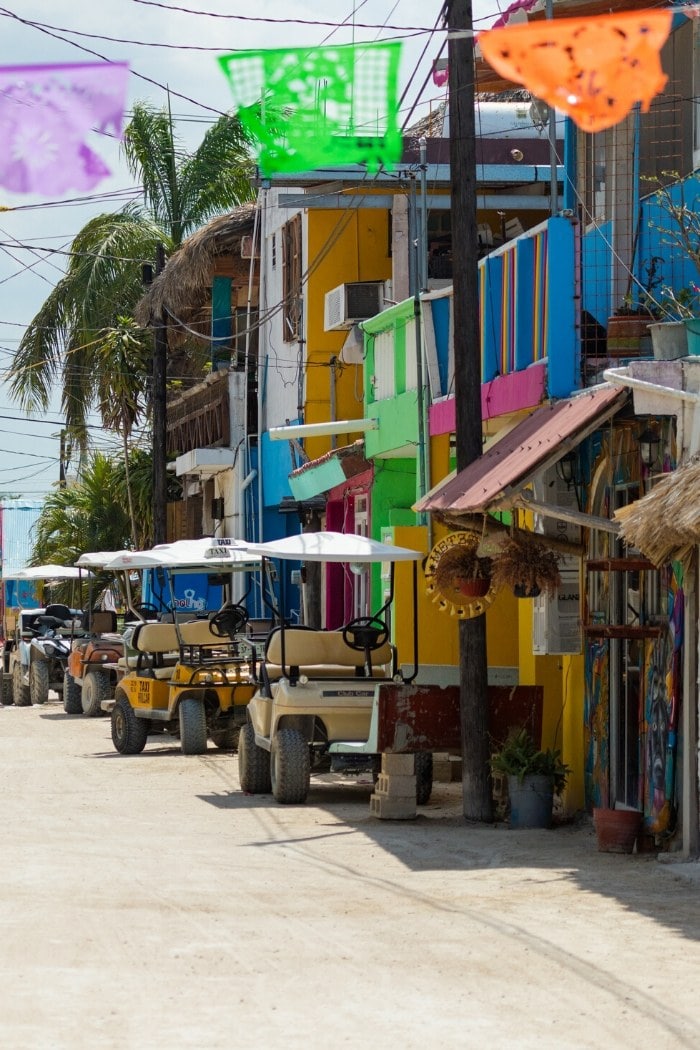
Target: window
{"points": [[291, 279]]}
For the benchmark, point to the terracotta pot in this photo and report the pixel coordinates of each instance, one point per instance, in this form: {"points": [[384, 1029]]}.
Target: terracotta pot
{"points": [[473, 588], [617, 829]]}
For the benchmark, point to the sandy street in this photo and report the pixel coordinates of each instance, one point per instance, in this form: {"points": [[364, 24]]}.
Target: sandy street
{"points": [[147, 903]]}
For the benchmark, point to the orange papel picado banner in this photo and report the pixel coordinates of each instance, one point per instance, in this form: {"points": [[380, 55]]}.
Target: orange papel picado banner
{"points": [[594, 69]]}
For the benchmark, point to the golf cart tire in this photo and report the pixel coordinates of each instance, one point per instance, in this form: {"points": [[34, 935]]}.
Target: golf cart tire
{"points": [[96, 688], [39, 682], [72, 703], [20, 691], [129, 733], [193, 726], [253, 764], [225, 739], [424, 777], [6, 694], [290, 767]]}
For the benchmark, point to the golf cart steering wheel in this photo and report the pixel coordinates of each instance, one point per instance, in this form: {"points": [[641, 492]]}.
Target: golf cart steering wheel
{"points": [[147, 607], [228, 621], [365, 634]]}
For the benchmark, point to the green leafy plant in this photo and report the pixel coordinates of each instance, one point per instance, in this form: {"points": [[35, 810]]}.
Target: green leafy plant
{"points": [[519, 757]]}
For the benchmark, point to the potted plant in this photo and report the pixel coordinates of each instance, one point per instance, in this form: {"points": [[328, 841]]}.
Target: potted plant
{"points": [[534, 778], [526, 565], [628, 328], [461, 570]]}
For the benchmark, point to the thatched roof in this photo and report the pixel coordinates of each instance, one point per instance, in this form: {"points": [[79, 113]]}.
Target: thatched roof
{"points": [[184, 286], [665, 524]]}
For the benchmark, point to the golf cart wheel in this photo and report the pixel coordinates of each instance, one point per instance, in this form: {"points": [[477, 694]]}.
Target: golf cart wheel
{"points": [[193, 726], [96, 688], [20, 691], [225, 739], [253, 764], [290, 767], [71, 695], [129, 733], [39, 682], [6, 695], [424, 777]]}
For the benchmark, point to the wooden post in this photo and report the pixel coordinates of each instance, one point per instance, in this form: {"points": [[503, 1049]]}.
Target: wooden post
{"points": [[160, 357], [476, 778]]}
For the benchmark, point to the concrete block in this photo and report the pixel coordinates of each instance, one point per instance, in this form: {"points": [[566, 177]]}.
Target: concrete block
{"points": [[398, 765], [456, 768], [392, 808], [396, 786], [442, 768]]}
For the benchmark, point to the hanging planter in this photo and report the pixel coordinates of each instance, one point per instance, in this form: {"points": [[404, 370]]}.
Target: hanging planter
{"points": [[523, 590], [460, 570], [527, 566], [473, 588]]}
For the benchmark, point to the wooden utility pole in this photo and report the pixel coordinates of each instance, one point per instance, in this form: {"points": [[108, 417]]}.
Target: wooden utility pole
{"points": [[160, 358], [476, 780]]}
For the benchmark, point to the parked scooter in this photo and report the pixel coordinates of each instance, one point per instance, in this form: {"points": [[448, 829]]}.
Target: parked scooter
{"points": [[49, 651]]}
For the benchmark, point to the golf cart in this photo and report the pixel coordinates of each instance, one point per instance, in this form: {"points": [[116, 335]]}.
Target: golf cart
{"points": [[92, 669], [191, 679], [37, 643], [319, 693]]}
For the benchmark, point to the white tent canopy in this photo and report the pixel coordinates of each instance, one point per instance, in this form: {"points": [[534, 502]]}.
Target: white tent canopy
{"points": [[333, 547], [45, 572]]}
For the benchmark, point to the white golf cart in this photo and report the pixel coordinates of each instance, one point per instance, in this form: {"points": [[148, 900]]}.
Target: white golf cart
{"points": [[321, 692], [191, 679], [37, 640]]}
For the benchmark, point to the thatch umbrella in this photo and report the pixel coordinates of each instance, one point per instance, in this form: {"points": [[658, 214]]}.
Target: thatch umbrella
{"points": [[665, 524]]}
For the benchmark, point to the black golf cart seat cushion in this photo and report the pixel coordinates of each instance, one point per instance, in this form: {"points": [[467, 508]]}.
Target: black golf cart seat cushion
{"points": [[61, 612], [322, 654]]}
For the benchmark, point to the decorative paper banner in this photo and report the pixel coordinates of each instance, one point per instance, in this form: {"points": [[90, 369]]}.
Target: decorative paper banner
{"points": [[319, 107], [595, 69], [46, 113]]}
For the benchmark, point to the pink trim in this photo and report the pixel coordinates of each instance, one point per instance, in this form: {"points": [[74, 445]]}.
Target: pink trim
{"points": [[510, 393]]}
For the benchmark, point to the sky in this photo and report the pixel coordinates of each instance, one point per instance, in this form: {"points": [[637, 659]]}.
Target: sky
{"points": [[168, 44]]}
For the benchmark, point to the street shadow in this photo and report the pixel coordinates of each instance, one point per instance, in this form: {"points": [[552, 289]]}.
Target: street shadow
{"points": [[440, 839]]}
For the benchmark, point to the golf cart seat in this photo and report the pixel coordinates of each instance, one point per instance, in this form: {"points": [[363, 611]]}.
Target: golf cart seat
{"points": [[103, 621], [321, 654], [157, 650]]}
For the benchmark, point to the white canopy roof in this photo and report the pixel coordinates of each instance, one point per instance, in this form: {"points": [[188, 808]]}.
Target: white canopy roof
{"points": [[184, 555], [333, 546], [96, 559], [45, 572]]}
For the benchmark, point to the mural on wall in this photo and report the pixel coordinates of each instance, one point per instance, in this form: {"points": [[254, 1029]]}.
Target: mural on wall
{"points": [[660, 723], [596, 734]]}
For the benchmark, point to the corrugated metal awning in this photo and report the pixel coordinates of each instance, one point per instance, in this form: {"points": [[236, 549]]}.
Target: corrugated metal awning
{"points": [[496, 479]]}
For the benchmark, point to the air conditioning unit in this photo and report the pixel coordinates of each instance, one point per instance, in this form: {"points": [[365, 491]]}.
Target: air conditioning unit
{"points": [[247, 245], [347, 304]]}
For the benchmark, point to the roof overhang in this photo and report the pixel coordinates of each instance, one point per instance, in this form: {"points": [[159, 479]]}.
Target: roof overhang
{"points": [[497, 479], [328, 471]]}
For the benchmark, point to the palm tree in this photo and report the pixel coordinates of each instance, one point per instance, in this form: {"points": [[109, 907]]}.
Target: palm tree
{"points": [[87, 516], [103, 281]]}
